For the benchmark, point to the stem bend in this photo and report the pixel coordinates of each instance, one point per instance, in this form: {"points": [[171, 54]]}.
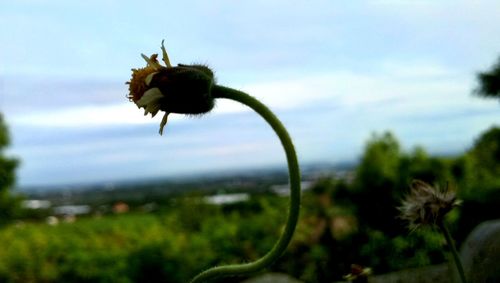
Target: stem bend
{"points": [[294, 173]]}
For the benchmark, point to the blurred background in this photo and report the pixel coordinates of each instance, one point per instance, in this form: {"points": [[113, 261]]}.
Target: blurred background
{"points": [[373, 93]]}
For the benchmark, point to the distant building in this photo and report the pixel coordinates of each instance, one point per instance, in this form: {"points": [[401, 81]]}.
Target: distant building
{"points": [[52, 220], [120, 207], [284, 190], [36, 204], [347, 176], [226, 198], [71, 210]]}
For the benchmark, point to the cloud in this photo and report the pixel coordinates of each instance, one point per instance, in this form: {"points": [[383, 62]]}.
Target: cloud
{"points": [[102, 116], [396, 89], [332, 128], [332, 71]]}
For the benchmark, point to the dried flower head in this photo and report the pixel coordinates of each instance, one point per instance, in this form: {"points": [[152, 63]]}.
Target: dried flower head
{"points": [[184, 89], [426, 205]]}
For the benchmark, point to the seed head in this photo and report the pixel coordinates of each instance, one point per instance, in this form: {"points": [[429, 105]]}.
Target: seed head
{"points": [[426, 205]]}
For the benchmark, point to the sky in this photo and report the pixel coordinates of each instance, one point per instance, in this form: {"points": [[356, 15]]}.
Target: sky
{"points": [[334, 72]]}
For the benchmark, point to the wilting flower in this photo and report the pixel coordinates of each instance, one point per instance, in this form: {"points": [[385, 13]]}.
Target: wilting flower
{"points": [[184, 89], [426, 205]]}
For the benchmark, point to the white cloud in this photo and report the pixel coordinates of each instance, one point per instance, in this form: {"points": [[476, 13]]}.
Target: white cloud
{"points": [[329, 115], [415, 84], [105, 115], [397, 88], [86, 116]]}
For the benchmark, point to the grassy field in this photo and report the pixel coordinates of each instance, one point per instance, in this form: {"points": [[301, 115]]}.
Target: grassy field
{"points": [[134, 247], [175, 243]]}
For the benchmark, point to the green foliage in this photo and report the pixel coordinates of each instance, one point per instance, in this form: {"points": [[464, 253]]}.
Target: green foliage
{"points": [[9, 204], [419, 165], [383, 177], [489, 82], [483, 163], [379, 163], [419, 248], [480, 185], [138, 247], [376, 184], [342, 222]]}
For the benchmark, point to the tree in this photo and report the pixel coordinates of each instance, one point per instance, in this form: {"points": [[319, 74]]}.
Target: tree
{"points": [[487, 150], [376, 185], [489, 82], [480, 190], [484, 161], [379, 162], [431, 169], [9, 203]]}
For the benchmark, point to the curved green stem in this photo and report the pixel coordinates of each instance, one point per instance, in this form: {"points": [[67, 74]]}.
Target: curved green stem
{"points": [[453, 250], [293, 170]]}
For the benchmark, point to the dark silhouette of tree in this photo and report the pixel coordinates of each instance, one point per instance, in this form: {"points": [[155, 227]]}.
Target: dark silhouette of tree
{"points": [[376, 184], [489, 82], [9, 204]]}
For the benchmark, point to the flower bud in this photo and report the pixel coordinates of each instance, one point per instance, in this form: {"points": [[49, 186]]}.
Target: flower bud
{"points": [[185, 89]]}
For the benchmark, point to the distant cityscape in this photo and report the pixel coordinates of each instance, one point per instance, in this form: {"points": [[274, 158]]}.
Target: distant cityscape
{"points": [[67, 203]]}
